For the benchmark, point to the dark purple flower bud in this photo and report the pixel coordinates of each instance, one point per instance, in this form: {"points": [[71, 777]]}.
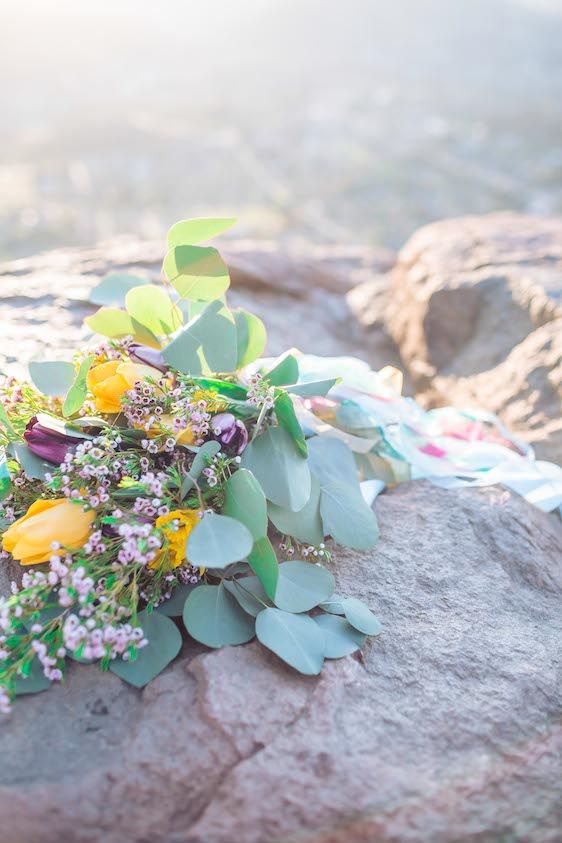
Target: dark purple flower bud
{"points": [[50, 445], [144, 354], [229, 431]]}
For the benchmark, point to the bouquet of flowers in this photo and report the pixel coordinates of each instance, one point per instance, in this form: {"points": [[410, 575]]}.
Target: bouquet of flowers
{"points": [[150, 487]]}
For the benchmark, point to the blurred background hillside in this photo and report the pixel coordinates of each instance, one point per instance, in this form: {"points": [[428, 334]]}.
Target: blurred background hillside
{"points": [[309, 120]]}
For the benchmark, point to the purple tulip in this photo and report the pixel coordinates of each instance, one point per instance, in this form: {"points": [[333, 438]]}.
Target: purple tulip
{"points": [[229, 431], [50, 445], [144, 354]]}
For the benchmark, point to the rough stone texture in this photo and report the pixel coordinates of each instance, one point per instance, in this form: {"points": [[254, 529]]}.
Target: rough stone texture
{"points": [[447, 729], [44, 299], [474, 305]]}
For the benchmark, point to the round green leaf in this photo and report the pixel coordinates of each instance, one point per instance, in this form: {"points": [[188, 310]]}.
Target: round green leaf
{"points": [[249, 593], [30, 463], [304, 525], [196, 230], [360, 616], [212, 616], [285, 371], [346, 516], [173, 607], [164, 643], [217, 541], [198, 273], [244, 500], [112, 289], [280, 470], [334, 605], [302, 586], [51, 377], [152, 307], [251, 335], [340, 638], [294, 638], [35, 682], [263, 562]]}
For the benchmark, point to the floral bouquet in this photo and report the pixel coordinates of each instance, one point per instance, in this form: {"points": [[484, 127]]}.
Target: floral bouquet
{"points": [[149, 486]]}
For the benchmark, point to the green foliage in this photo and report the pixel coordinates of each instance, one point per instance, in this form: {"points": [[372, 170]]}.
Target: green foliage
{"points": [[304, 525], [114, 323], [302, 586], [340, 638], [244, 500], [285, 371], [31, 464], [212, 616], [206, 344], [218, 541], [112, 289], [345, 515], [34, 682], [249, 593], [51, 377], [280, 469], [312, 389], [173, 607], [77, 393], [164, 643], [202, 458], [197, 273], [189, 232], [287, 418], [296, 639], [152, 307], [263, 562], [251, 336]]}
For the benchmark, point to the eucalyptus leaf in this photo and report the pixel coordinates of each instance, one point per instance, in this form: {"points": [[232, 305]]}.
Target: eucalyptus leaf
{"points": [[312, 389], [278, 467], [244, 500], [5, 482], [334, 605], [331, 460], [302, 586], [340, 638], [249, 593], [217, 541], [164, 643], [31, 464], [35, 682], [152, 307], [296, 639], [197, 230], [112, 289], [226, 389], [251, 336], [287, 418], [304, 525], [206, 344], [263, 562], [173, 607], [114, 323], [77, 393], [360, 616], [285, 371], [202, 459], [198, 273], [6, 424], [346, 516], [212, 616], [63, 427], [51, 377]]}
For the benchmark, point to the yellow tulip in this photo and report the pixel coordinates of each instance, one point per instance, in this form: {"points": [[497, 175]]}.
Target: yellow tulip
{"points": [[174, 552], [29, 539], [108, 382]]}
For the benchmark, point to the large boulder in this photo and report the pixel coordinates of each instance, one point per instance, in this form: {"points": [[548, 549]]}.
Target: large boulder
{"points": [[446, 729], [474, 305]]}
